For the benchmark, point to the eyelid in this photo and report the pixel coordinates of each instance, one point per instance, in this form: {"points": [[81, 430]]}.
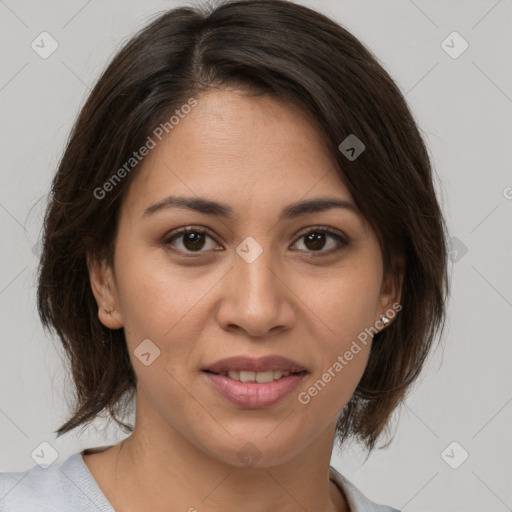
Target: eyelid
{"points": [[331, 231], [169, 237]]}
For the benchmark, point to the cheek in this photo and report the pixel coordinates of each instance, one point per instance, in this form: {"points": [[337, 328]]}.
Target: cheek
{"points": [[158, 305], [161, 302], [344, 307], [146, 290], [344, 303], [343, 358]]}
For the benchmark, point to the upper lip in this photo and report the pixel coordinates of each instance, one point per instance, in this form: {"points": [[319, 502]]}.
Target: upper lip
{"points": [[261, 364]]}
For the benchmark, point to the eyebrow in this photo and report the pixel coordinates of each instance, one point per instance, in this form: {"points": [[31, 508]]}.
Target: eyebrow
{"points": [[209, 207]]}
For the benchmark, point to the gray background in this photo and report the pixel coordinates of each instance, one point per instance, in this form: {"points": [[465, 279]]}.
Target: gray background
{"points": [[464, 107]]}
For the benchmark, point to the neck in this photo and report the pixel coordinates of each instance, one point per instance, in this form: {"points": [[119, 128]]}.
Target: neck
{"points": [[157, 467]]}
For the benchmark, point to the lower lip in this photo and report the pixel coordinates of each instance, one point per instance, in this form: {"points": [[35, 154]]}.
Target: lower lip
{"points": [[253, 395]]}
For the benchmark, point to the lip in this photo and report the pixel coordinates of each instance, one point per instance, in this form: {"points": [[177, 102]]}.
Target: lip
{"points": [[262, 364], [252, 395]]}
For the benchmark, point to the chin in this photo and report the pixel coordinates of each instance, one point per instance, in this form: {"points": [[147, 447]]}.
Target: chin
{"points": [[256, 450]]}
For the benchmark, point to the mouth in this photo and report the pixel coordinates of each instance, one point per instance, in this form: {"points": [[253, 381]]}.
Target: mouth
{"points": [[251, 383]]}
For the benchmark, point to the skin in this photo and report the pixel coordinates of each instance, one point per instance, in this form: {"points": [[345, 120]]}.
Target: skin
{"points": [[257, 155]]}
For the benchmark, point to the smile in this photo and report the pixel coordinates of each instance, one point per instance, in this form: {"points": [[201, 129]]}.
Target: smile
{"points": [[260, 377], [254, 390]]}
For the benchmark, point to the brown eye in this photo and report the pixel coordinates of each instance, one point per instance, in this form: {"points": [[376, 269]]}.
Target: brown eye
{"points": [[323, 241], [315, 240], [189, 240], [193, 241]]}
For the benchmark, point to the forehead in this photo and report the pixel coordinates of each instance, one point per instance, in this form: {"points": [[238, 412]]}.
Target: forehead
{"points": [[249, 148]]}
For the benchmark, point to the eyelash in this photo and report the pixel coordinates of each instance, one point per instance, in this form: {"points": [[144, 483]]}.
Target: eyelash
{"points": [[343, 241]]}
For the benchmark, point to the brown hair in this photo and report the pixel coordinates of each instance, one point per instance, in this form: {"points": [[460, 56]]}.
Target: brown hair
{"points": [[299, 56]]}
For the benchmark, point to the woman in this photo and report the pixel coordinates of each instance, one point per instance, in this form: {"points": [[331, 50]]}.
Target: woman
{"points": [[243, 236]]}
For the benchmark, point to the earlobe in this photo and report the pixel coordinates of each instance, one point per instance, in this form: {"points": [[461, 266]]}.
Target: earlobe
{"points": [[384, 320], [104, 291]]}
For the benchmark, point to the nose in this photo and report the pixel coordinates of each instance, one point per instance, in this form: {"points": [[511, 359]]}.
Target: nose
{"points": [[256, 298]]}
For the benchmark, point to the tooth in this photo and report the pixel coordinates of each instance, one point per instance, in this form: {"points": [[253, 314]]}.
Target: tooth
{"points": [[260, 377], [264, 377], [246, 376]]}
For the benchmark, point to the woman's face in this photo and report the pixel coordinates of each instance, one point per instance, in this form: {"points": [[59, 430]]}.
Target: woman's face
{"points": [[259, 275]]}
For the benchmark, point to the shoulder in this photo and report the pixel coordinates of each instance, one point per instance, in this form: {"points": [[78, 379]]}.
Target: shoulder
{"points": [[68, 486], [357, 501]]}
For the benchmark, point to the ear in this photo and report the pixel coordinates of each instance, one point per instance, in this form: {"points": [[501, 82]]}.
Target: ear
{"points": [[104, 290], [390, 295]]}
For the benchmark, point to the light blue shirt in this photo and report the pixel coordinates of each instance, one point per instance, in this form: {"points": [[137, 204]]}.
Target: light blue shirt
{"points": [[71, 487]]}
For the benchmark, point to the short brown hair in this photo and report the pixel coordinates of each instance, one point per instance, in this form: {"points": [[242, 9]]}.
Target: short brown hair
{"points": [[301, 57]]}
